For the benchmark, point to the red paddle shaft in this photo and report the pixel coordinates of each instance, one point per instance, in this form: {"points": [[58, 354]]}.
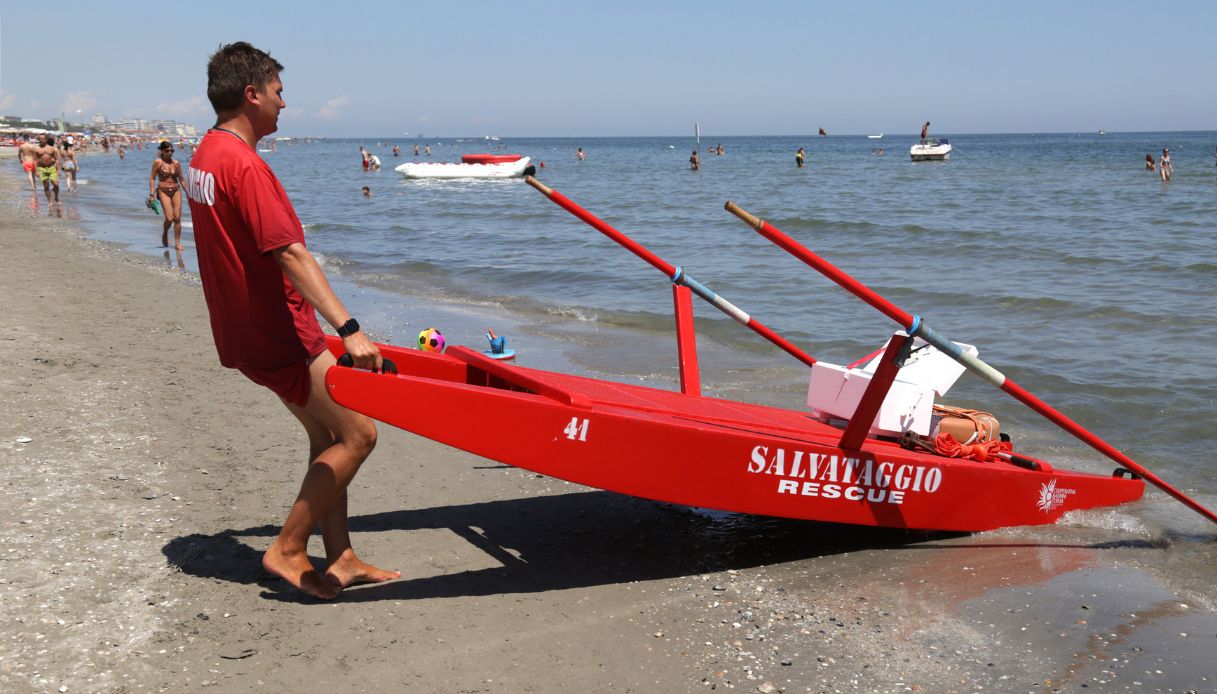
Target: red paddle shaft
{"points": [[917, 328], [672, 272]]}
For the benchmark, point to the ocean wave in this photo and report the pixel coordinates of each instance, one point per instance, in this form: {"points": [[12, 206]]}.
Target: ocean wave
{"points": [[578, 313]]}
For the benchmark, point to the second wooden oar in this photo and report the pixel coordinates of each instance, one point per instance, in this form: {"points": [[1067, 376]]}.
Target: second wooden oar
{"points": [[917, 328]]}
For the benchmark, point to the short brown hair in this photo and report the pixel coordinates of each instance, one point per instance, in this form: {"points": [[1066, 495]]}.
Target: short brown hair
{"points": [[233, 67]]}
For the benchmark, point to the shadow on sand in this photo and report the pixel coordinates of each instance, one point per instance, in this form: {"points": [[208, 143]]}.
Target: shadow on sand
{"points": [[558, 542]]}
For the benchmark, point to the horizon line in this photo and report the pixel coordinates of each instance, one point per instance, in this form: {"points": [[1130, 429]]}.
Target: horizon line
{"points": [[704, 136]]}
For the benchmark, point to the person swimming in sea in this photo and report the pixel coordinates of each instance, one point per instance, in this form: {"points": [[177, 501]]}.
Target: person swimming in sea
{"points": [[799, 156]]}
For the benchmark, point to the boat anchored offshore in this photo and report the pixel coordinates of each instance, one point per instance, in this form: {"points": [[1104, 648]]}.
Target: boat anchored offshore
{"points": [[933, 149], [842, 464], [490, 169]]}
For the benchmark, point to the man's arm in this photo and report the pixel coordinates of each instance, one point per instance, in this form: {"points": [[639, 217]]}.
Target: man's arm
{"points": [[307, 277]]}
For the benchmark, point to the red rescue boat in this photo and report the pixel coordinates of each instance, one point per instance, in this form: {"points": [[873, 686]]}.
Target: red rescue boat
{"points": [[700, 451], [490, 158], [681, 447]]}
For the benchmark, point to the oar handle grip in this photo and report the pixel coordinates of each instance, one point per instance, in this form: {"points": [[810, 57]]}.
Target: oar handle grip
{"points": [[749, 219], [539, 185]]}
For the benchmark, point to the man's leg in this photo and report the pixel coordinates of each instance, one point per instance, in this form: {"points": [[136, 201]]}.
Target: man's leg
{"points": [[341, 440]]}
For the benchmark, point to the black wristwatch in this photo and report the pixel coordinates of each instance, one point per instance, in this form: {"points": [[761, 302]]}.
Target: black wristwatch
{"points": [[348, 328]]}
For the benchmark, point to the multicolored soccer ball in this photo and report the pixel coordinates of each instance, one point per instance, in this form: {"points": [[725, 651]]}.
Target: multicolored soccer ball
{"points": [[431, 340]]}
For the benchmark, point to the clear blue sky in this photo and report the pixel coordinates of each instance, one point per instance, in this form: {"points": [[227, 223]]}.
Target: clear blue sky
{"points": [[525, 68]]}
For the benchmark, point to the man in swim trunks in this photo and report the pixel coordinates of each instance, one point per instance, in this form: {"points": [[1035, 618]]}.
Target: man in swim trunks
{"points": [[925, 130], [263, 290], [28, 152], [47, 165]]}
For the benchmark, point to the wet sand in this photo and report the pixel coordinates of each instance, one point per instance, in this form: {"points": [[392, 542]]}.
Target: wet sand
{"points": [[141, 482]]}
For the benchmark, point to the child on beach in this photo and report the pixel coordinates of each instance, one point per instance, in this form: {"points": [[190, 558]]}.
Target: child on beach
{"points": [[264, 290]]}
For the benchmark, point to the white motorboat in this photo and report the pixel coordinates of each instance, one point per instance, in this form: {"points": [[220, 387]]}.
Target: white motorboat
{"points": [[933, 149], [875, 137], [509, 169]]}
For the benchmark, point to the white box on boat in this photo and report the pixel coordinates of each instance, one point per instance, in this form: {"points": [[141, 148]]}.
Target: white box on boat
{"points": [[835, 391]]}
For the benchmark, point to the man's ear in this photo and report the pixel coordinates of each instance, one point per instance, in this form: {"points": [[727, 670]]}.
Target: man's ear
{"points": [[251, 94]]}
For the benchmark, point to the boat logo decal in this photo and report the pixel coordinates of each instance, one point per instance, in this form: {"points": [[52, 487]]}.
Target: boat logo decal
{"points": [[830, 476], [1052, 497]]}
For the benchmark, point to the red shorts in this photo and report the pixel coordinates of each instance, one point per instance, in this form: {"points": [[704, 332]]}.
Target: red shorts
{"points": [[289, 382], [28, 164]]}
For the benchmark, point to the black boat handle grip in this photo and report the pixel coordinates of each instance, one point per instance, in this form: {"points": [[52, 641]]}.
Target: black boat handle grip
{"points": [[387, 366]]}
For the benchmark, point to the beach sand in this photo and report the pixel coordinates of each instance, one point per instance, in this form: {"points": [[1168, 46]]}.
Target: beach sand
{"points": [[141, 482]]}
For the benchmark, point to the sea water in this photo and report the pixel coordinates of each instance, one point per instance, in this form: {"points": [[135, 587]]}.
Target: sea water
{"points": [[1080, 275]]}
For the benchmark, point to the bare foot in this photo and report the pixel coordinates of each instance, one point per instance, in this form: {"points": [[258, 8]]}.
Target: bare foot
{"points": [[348, 570], [298, 571], [179, 248]]}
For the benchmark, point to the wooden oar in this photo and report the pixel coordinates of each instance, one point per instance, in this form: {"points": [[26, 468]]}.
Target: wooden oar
{"points": [[917, 328], [674, 273]]}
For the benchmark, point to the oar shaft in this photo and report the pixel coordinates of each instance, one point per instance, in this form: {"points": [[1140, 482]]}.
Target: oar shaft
{"points": [[829, 270], [673, 273], [629, 244], [988, 373]]}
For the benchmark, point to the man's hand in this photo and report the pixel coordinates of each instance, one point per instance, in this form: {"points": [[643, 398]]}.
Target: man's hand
{"points": [[364, 353]]}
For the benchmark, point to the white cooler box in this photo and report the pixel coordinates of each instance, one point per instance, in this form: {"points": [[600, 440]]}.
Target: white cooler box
{"points": [[835, 391]]}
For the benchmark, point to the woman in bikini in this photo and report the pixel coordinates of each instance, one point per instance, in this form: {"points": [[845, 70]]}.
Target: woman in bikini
{"points": [[165, 184], [70, 166]]}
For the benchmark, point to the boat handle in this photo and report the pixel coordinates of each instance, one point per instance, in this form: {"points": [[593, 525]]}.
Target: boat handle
{"points": [[387, 366]]}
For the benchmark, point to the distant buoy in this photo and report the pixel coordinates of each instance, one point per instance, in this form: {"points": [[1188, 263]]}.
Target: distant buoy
{"points": [[542, 165]]}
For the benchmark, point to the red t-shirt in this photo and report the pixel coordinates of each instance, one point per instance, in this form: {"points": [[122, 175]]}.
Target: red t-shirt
{"points": [[241, 213]]}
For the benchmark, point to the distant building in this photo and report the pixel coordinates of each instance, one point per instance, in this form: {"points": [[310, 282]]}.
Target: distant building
{"points": [[99, 119]]}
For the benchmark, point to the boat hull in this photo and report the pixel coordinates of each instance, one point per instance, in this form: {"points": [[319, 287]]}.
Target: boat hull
{"points": [[511, 169], [703, 452], [927, 152], [490, 158]]}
